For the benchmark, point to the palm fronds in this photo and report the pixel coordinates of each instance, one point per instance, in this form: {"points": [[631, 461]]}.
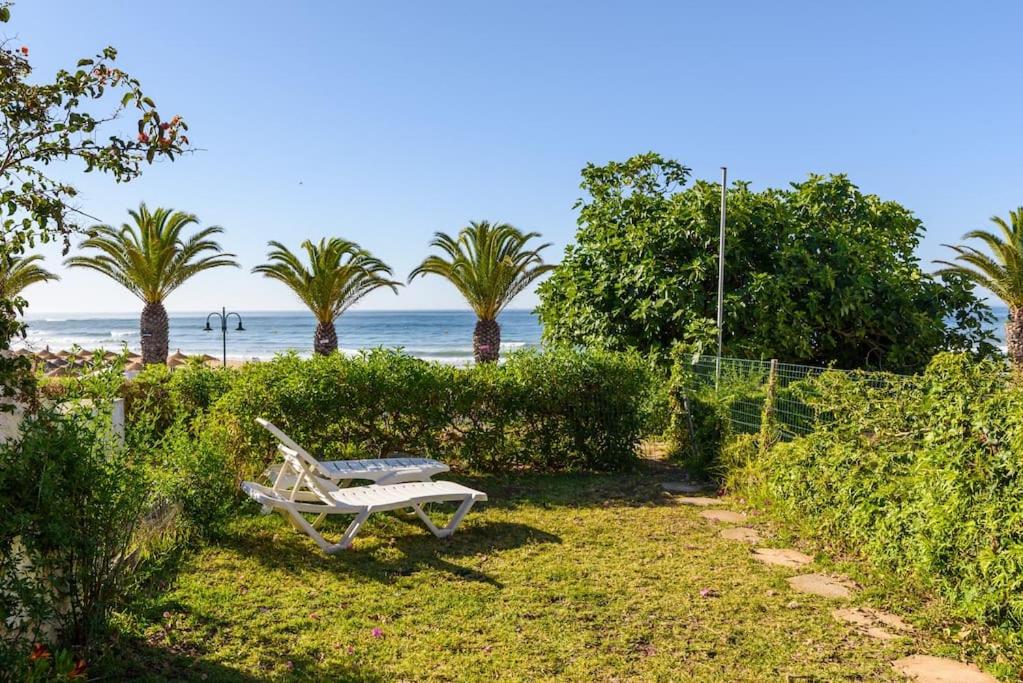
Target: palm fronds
{"points": [[339, 274], [1000, 270], [17, 273], [489, 264], [149, 257]]}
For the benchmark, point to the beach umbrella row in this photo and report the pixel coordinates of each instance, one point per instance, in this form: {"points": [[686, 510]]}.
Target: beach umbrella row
{"points": [[62, 363]]}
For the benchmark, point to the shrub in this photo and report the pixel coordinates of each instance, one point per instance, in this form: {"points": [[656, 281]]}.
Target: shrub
{"points": [[820, 272], [557, 409], [70, 503], [193, 478], [194, 387], [703, 411], [922, 475]]}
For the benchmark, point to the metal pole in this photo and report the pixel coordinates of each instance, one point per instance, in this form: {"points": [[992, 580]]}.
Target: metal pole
{"points": [[223, 331], [721, 272]]}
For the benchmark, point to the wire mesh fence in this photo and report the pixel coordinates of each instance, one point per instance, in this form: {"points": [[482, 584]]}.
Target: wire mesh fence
{"points": [[744, 385]]}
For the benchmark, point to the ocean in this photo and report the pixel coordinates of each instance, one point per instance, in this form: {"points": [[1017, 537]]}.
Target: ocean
{"points": [[434, 335]]}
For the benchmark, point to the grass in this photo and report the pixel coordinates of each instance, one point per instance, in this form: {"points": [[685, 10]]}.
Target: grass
{"points": [[559, 577]]}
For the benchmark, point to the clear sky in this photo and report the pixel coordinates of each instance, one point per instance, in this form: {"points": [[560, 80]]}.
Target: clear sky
{"points": [[383, 122]]}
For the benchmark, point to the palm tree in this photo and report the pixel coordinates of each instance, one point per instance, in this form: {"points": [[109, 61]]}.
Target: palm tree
{"points": [[151, 259], [489, 264], [1001, 272], [340, 273], [17, 273]]}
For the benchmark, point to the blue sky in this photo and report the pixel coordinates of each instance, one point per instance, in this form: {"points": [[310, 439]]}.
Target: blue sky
{"points": [[384, 122]]}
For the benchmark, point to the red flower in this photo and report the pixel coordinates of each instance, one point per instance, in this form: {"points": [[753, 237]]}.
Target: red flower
{"points": [[39, 651], [143, 137], [24, 50], [164, 126], [78, 671]]}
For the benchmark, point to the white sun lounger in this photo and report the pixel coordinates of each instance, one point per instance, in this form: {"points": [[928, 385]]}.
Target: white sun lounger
{"points": [[393, 470], [311, 494]]}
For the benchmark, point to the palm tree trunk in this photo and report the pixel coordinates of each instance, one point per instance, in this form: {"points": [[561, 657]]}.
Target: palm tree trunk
{"points": [[155, 331], [1014, 337], [325, 342], [486, 341]]}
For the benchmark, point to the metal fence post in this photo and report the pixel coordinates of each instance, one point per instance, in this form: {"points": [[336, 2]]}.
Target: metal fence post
{"points": [[767, 414]]}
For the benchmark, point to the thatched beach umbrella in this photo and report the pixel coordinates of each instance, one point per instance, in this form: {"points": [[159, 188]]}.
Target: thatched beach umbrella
{"points": [[58, 372], [134, 366], [177, 356], [45, 355]]}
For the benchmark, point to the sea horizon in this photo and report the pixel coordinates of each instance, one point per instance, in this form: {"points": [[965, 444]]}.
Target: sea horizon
{"points": [[441, 334], [433, 334]]}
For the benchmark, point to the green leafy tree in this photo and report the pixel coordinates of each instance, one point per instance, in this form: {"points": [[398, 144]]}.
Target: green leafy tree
{"points": [[18, 272], [45, 123], [339, 274], [490, 265], [151, 258], [817, 273], [1000, 271]]}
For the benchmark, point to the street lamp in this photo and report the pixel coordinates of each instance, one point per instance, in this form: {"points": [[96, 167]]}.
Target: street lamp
{"points": [[224, 315]]}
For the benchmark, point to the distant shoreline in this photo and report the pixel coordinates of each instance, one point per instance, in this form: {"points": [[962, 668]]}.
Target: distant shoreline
{"points": [[37, 315]]}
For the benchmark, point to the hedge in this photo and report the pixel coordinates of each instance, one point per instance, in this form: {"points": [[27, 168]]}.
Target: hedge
{"points": [[923, 475], [559, 409]]}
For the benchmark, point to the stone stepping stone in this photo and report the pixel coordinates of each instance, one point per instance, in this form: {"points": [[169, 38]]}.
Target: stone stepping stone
{"points": [[699, 501], [823, 585], [685, 486], [873, 622], [724, 516], [741, 533], [783, 557], [927, 669]]}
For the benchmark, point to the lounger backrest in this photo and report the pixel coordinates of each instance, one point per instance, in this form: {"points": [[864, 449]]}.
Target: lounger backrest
{"points": [[306, 476], [289, 443]]}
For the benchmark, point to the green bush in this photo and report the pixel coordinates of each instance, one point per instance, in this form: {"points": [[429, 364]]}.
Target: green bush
{"points": [[923, 475], [703, 415], [557, 409], [71, 501], [193, 477]]}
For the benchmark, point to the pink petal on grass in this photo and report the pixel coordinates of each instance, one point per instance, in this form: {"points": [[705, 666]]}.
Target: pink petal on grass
{"points": [[378, 633], [708, 593]]}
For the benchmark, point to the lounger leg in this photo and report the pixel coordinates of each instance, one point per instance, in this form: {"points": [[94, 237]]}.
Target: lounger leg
{"points": [[303, 525], [461, 512]]}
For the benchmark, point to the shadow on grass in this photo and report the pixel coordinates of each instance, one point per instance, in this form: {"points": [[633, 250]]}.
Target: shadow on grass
{"points": [[281, 548], [575, 489], [138, 660]]}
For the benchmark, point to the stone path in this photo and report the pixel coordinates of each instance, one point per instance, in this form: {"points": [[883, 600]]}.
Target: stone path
{"points": [[741, 533], [871, 622], [824, 585], [724, 516], [874, 623], [699, 501], [926, 669], [685, 486], [783, 557]]}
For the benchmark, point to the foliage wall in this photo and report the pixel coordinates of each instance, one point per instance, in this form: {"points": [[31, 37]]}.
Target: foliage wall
{"points": [[816, 273], [923, 475], [553, 410]]}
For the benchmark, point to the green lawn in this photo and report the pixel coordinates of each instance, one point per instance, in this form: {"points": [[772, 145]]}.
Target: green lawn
{"points": [[559, 577]]}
